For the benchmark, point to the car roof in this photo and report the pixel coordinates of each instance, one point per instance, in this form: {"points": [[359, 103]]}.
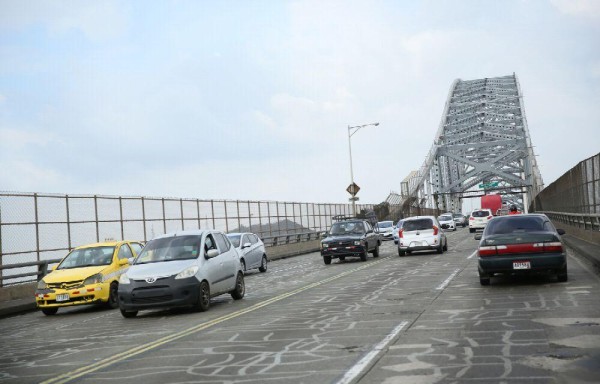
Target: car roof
{"points": [[192, 232], [103, 244], [419, 217]]}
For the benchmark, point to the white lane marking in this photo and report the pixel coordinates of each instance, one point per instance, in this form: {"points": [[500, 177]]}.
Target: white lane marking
{"points": [[362, 365], [472, 255], [447, 281]]}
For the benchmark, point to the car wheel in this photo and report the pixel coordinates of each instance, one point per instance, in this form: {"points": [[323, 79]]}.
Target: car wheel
{"points": [[446, 246], [240, 287], [484, 279], [49, 311], [562, 275], [401, 252], [113, 296], [203, 297], [363, 256], [263, 264], [128, 314], [327, 259], [440, 249], [243, 265], [471, 230], [376, 251]]}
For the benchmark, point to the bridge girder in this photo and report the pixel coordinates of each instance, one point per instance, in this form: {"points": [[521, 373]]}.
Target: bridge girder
{"points": [[482, 138]]}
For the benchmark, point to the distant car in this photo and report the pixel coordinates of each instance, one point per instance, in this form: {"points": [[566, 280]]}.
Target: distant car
{"points": [[447, 222], [460, 219], [479, 219], [179, 269], [350, 238], [397, 228], [251, 249], [518, 244], [386, 229], [87, 275], [421, 233]]}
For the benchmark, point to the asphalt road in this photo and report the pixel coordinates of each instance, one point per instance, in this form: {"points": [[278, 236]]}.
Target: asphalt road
{"points": [[415, 319]]}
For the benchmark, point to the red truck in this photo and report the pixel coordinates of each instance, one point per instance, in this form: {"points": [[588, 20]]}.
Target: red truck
{"points": [[491, 202]]}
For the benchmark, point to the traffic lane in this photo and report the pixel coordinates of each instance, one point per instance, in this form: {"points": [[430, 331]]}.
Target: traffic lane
{"points": [[316, 335], [518, 329], [38, 347]]}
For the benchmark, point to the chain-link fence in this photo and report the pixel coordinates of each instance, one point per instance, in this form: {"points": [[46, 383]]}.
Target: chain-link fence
{"points": [[36, 227]]}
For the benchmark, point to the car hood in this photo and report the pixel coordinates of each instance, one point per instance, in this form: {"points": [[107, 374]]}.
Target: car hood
{"points": [[73, 274], [158, 269]]}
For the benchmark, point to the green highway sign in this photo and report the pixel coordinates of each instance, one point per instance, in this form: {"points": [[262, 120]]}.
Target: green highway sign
{"points": [[489, 185]]}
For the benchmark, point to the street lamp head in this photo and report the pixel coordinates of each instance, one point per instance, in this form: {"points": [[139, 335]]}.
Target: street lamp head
{"points": [[376, 124]]}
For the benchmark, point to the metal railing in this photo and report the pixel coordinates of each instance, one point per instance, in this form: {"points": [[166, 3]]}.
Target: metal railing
{"points": [[585, 221], [40, 271]]}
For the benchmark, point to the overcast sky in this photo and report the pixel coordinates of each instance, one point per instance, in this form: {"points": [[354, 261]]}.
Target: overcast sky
{"points": [[252, 99]]}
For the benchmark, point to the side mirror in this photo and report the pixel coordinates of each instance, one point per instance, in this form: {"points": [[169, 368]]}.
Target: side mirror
{"points": [[246, 245], [324, 235], [212, 253], [130, 260], [560, 231], [478, 236], [54, 267], [124, 261]]}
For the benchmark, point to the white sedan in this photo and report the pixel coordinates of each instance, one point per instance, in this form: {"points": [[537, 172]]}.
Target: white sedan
{"points": [[251, 250]]}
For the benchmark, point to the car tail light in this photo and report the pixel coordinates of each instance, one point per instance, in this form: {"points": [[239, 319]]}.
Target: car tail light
{"points": [[400, 233], [471, 218], [490, 217], [435, 230], [491, 250], [551, 247]]}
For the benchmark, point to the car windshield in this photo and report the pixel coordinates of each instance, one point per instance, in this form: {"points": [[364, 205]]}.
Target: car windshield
{"points": [[457, 216], [417, 225], [169, 249], [480, 214], [445, 218], [87, 257], [385, 224], [235, 240], [347, 228]]}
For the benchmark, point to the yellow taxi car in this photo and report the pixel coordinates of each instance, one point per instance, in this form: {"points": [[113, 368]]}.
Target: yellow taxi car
{"points": [[87, 275]]}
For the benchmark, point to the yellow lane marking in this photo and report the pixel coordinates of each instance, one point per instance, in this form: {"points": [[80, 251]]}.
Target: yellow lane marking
{"points": [[69, 376]]}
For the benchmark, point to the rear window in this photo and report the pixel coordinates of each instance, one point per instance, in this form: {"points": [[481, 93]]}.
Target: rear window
{"points": [[417, 224], [515, 224], [481, 214], [385, 224]]}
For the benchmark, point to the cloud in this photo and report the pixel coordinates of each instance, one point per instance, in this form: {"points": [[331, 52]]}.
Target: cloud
{"points": [[587, 9]]}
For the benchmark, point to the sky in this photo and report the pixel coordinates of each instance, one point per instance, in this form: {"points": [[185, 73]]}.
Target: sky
{"points": [[252, 100]]}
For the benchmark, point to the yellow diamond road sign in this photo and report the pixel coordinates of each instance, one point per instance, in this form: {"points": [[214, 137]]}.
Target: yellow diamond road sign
{"points": [[353, 189]]}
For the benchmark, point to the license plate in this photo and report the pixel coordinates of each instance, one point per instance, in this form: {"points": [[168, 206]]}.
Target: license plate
{"points": [[62, 297], [416, 243], [521, 265]]}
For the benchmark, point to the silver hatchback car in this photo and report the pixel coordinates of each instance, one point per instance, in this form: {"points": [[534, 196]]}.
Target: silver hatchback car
{"points": [[181, 269], [421, 233], [251, 249]]}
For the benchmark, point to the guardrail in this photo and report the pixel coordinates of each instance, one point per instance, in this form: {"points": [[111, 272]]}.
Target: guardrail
{"points": [[42, 270], [586, 221], [42, 266]]}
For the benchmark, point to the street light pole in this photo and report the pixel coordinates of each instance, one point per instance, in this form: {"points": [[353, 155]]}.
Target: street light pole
{"points": [[352, 131]]}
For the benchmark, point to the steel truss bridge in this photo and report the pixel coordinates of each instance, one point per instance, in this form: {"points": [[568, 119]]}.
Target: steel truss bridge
{"points": [[482, 146]]}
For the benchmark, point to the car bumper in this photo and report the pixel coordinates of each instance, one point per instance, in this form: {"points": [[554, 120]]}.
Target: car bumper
{"points": [[350, 250], [387, 236], [420, 245], [538, 262], [164, 293], [89, 294]]}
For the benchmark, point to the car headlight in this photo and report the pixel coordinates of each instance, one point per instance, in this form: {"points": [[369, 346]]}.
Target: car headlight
{"points": [[124, 279], [188, 272], [357, 242], [42, 285], [94, 279], [324, 245]]}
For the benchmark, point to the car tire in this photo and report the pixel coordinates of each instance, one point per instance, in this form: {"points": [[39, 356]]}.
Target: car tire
{"points": [[363, 256], [128, 314], [376, 251], [243, 265], [263, 264], [446, 246], [484, 279], [203, 297], [471, 230], [49, 311], [562, 275], [401, 252], [240, 287], [327, 260], [113, 296]]}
